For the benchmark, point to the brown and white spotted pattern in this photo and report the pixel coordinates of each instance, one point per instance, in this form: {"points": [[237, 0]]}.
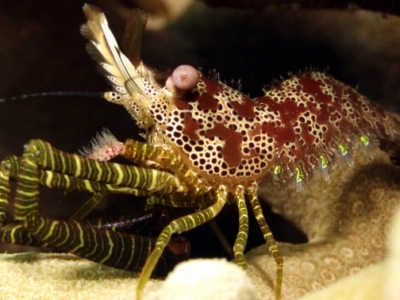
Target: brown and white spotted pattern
{"points": [[300, 125]]}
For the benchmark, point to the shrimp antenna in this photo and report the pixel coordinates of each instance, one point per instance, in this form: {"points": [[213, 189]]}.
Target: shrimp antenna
{"points": [[47, 94]]}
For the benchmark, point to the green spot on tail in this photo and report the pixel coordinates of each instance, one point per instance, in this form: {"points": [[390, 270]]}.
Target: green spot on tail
{"points": [[300, 175], [277, 171], [324, 161], [343, 149], [365, 140]]}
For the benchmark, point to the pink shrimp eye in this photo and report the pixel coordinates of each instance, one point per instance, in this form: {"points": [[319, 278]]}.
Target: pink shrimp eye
{"points": [[183, 78]]}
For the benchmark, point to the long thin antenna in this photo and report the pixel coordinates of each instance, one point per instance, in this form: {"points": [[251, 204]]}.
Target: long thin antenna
{"points": [[47, 94]]}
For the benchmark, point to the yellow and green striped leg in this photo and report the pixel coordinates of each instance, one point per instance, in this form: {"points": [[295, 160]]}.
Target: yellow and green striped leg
{"points": [[81, 173], [110, 248], [146, 154], [199, 202], [8, 169], [85, 174], [179, 225], [17, 234], [136, 243], [177, 200], [148, 224], [241, 239], [269, 238]]}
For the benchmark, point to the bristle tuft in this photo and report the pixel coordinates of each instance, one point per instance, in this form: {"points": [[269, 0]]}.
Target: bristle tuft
{"points": [[103, 147]]}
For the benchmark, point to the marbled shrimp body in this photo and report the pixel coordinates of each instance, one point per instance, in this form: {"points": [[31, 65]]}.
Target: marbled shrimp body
{"points": [[297, 127]]}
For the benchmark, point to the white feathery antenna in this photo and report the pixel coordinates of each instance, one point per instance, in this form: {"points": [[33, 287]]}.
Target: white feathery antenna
{"points": [[102, 46]]}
